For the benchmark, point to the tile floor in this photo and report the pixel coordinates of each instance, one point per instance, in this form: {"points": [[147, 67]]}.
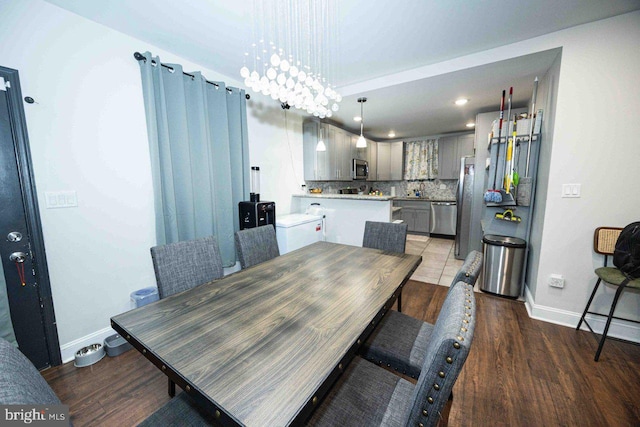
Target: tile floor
{"points": [[439, 265]]}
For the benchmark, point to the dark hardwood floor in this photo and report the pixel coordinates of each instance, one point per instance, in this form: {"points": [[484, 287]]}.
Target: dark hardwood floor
{"points": [[520, 372]]}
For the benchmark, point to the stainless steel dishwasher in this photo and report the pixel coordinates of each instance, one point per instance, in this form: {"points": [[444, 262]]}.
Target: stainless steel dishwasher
{"points": [[443, 218]]}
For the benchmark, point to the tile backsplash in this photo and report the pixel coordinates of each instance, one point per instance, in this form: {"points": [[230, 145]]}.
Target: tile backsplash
{"points": [[430, 188]]}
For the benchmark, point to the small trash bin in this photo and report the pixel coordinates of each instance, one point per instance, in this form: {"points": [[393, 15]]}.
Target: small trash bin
{"points": [[144, 296], [503, 263]]}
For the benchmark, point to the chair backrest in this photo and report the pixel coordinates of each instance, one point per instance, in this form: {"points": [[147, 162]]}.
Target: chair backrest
{"points": [[256, 245], [20, 381], [446, 353], [387, 236], [470, 269], [605, 238], [183, 265]]}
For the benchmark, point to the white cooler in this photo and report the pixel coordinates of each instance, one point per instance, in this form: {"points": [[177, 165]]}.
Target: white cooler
{"points": [[297, 230]]}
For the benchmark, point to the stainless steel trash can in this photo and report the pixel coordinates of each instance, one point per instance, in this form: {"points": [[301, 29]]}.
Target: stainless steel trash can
{"points": [[503, 263]]}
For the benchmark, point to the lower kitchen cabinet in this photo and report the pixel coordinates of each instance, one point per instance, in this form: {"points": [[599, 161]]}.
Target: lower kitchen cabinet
{"points": [[416, 214]]}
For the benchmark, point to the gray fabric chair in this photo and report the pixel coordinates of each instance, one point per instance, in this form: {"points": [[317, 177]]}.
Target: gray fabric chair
{"points": [[20, 381], [400, 341], [386, 236], [183, 265], [179, 411], [256, 245], [367, 395]]}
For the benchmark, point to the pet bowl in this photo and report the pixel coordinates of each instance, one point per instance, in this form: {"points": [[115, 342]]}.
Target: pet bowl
{"points": [[89, 355]]}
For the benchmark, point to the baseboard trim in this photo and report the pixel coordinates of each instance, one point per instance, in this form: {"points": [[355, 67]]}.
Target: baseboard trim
{"points": [[68, 350], [619, 328]]}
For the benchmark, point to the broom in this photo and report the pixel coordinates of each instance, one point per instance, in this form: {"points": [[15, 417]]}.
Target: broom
{"points": [[494, 195], [525, 186]]}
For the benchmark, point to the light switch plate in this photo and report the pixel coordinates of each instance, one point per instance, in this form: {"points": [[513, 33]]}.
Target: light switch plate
{"points": [[61, 199], [571, 190]]}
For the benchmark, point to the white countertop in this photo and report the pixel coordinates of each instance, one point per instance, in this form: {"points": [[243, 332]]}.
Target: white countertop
{"points": [[367, 197], [347, 196]]}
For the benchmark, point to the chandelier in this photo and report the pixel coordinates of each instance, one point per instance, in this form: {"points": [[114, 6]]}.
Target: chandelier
{"points": [[290, 59]]}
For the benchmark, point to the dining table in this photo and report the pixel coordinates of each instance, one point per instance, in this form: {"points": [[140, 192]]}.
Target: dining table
{"points": [[263, 346]]}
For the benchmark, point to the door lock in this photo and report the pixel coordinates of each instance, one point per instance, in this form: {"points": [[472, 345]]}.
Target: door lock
{"points": [[18, 257], [14, 236]]}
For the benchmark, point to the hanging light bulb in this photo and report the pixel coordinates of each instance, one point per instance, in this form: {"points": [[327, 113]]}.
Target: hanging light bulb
{"points": [[362, 143], [320, 146]]}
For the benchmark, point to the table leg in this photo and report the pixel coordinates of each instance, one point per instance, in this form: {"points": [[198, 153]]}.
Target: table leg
{"points": [[172, 388]]}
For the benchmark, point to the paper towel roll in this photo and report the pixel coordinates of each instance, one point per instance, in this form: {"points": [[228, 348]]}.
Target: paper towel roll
{"points": [[393, 191]]}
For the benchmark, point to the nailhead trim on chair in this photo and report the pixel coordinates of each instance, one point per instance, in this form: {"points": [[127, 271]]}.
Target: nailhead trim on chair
{"points": [[448, 360]]}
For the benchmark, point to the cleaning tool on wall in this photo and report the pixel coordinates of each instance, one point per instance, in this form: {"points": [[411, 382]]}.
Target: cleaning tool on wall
{"points": [[508, 215], [494, 195], [506, 139], [516, 158], [508, 176], [525, 185]]}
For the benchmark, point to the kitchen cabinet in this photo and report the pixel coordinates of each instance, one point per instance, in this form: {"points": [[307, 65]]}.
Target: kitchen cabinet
{"points": [[372, 159], [390, 158], [450, 150], [334, 164], [341, 153], [416, 214]]}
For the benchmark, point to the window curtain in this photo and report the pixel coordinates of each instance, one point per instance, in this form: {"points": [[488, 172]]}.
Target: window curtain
{"points": [[421, 159], [199, 154]]}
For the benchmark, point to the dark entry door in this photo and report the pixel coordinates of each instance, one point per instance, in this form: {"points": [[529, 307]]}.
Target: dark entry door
{"points": [[28, 293]]}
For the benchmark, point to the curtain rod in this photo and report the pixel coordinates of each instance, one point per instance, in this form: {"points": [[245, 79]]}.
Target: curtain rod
{"points": [[140, 57]]}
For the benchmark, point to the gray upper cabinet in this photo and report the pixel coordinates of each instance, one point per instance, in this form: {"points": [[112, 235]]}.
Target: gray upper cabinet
{"points": [[334, 164], [450, 150], [372, 159], [342, 153], [390, 161], [316, 163]]}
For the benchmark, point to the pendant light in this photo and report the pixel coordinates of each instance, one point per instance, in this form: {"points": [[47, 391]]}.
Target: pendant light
{"points": [[362, 143], [320, 145]]}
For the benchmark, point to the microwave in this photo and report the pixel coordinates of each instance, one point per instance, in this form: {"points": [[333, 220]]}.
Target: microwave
{"points": [[360, 169]]}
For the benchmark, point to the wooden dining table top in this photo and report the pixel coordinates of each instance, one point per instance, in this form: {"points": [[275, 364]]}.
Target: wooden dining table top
{"points": [[262, 346]]}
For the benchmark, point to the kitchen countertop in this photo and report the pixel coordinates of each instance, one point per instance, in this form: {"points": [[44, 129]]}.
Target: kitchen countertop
{"points": [[377, 198], [347, 196]]}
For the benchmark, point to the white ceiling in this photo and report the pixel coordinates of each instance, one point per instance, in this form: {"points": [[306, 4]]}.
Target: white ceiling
{"points": [[379, 40]]}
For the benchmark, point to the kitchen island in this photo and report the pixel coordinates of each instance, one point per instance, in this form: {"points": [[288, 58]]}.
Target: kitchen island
{"points": [[346, 214]]}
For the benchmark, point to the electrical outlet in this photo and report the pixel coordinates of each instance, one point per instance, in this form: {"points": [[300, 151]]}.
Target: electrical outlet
{"points": [[556, 281]]}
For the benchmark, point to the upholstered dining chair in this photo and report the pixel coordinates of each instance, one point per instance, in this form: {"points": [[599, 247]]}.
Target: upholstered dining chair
{"points": [[183, 265], [604, 242], [399, 341], [386, 236], [368, 395], [256, 245]]}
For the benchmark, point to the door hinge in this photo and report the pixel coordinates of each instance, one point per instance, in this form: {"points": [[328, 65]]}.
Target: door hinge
{"points": [[4, 84]]}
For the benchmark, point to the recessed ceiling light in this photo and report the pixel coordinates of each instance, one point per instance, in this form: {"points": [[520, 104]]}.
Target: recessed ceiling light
{"points": [[471, 124], [392, 134], [357, 119], [461, 101]]}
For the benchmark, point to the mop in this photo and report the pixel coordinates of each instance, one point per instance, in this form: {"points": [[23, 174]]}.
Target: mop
{"points": [[525, 186], [509, 177], [508, 153], [494, 195]]}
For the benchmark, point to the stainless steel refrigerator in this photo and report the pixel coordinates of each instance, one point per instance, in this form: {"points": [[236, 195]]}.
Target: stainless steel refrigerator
{"points": [[464, 198]]}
